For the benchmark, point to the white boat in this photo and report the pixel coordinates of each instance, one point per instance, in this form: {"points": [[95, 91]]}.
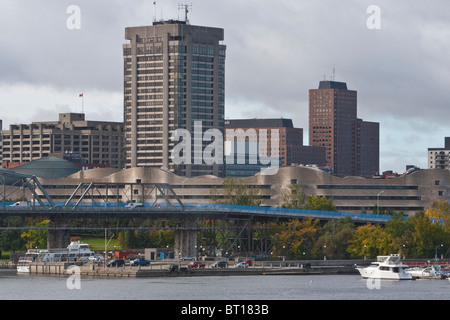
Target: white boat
{"points": [[430, 272], [75, 251], [386, 268]]}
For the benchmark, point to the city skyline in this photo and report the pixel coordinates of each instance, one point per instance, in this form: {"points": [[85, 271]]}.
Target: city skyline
{"points": [[400, 70]]}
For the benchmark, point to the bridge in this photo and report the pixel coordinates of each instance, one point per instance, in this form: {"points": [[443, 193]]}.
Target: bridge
{"points": [[187, 217], [100, 201]]}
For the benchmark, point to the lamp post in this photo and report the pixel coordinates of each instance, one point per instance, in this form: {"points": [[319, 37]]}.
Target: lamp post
{"points": [[435, 255]]}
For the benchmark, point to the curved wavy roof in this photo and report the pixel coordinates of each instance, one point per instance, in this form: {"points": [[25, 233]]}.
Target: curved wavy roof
{"points": [[49, 167]]}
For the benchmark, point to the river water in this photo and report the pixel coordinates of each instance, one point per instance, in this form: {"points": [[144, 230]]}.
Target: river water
{"points": [[264, 287]]}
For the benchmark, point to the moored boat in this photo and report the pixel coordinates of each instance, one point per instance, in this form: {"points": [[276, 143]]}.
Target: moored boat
{"points": [[386, 268], [430, 272], [75, 251]]}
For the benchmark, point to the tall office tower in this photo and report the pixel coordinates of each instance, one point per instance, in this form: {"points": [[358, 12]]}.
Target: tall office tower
{"points": [[174, 77], [352, 145]]}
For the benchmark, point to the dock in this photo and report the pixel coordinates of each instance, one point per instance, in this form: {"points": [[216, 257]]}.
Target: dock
{"points": [[167, 270]]}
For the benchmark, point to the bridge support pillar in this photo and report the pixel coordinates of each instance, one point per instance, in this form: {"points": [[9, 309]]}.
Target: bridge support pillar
{"points": [[186, 239], [59, 237]]}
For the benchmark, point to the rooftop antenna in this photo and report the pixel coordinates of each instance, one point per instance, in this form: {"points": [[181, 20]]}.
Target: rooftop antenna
{"points": [[334, 74], [186, 8]]}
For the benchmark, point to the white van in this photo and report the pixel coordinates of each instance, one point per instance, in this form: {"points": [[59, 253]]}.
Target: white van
{"points": [[21, 204], [134, 205]]}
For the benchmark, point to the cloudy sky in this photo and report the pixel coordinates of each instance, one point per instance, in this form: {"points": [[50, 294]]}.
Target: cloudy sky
{"points": [[276, 52]]}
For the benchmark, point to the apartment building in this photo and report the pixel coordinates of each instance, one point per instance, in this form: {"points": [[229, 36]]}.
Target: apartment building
{"points": [[439, 158], [94, 142]]}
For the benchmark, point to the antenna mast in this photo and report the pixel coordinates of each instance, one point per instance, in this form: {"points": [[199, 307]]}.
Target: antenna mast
{"points": [[186, 8]]}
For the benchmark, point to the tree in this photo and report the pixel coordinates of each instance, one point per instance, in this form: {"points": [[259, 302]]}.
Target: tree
{"points": [[296, 238], [334, 237], [440, 210], [293, 198], [36, 238], [235, 192], [322, 203], [10, 239], [428, 236], [369, 241], [401, 231]]}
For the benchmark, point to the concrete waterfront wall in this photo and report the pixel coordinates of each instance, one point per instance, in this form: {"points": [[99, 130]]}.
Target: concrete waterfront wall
{"points": [[49, 267], [306, 267]]}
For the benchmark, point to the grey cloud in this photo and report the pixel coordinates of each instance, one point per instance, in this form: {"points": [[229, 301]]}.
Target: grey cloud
{"points": [[276, 52]]}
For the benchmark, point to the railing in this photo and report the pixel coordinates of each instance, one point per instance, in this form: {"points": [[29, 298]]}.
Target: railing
{"points": [[203, 207]]}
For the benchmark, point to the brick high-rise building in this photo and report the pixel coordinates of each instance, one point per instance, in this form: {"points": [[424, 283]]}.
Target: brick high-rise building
{"points": [[174, 76], [352, 145]]}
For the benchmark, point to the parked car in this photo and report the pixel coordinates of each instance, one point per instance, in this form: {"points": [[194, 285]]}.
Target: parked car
{"points": [[242, 265], [196, 264], [96, 258], [188, 258], [139, 262], [219, 264], [249, 262], [116, 263]]}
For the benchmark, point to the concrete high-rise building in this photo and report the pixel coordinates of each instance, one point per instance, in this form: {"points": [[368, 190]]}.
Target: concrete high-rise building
{"points": [[352, 145], [174, 76], [439, 158], [93, 142], [289, 148]]}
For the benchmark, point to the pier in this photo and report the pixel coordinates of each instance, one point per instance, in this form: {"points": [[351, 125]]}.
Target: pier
{"points": [[175, 269]]}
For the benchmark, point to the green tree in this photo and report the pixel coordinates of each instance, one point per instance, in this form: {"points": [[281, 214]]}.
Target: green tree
{"points": [[400, 231], [10, 240], [428, 236], [36, 238], [316, 202], [334, 237], [236, 192], [293, 198]]}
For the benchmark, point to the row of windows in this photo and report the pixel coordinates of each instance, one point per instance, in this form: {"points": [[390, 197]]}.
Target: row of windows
{"points": [[385, 198], [377, 187]]}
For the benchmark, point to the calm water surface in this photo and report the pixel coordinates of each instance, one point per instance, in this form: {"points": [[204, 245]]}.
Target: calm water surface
{"points": [[264, 287]]}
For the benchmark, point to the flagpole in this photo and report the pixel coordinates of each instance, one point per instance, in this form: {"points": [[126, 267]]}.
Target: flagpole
{"points": [[82, 102]]}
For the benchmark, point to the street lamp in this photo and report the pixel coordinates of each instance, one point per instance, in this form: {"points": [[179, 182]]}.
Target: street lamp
{"points": [[435, 255], [378, 201]]}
